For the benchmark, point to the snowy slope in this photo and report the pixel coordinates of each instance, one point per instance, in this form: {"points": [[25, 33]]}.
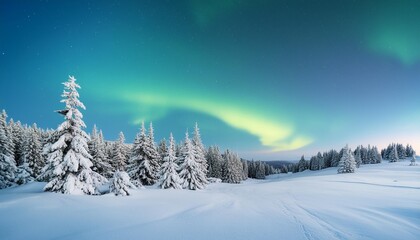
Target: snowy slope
{"points": [[378, 202]]}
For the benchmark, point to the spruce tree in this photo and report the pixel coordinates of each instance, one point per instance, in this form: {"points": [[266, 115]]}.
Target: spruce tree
{"points": [[215, 162], [119, 158], [347, 162], [413, 159], [393, 155], [68, 156], [191, 173], [244, 169], [302, 164], [233, 168], [153, 151], [120, 184], [169, 177], [143, 166], [97, 150], [33, 152], [7, 162], [199, 150], [358, 156], [162, 150]]}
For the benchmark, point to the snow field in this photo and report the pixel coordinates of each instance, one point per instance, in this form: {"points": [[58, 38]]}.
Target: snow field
{"points": [[380, 201]]}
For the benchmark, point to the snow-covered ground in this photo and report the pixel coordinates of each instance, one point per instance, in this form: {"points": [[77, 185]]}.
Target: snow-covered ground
{"points": [[378, 202]]}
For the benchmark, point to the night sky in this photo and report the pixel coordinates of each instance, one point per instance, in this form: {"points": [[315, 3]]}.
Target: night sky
{"points": [[268, 79]]}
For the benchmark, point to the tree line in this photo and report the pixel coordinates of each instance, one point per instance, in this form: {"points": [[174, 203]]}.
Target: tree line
{"points": [[74, 162]]}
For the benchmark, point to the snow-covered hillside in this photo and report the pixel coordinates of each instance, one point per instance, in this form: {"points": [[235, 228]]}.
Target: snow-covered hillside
{"points": [[380, 201]]}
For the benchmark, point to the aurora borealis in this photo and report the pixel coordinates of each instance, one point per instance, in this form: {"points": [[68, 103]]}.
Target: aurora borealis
{"points": [[269, 79]]}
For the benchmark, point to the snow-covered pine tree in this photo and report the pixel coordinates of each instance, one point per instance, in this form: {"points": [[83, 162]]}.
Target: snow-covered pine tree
{"points": [[233, 168], [302, 164], [191, 174], [347, 162], [152, 152], [259, 170], [215, 160], [377, 158], [162, 150], [199, 150], [68, 156], [143, 166], [120, 184], [169, 177], [244, 169], [401, 151], [393, 155], [320, 159], [7, 162], [364, 155], [33, 152], [17, 134], [413, 159], [335, 158], [358, 156], [119, 158], [97, 150]]}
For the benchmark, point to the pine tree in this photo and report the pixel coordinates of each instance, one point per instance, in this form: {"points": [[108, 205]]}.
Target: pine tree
{"points": [[68, 156], [347, 162], [191, 173], [120, 184], [393, 155], [119, 158], [17, 134], [259, 170], [7, 162], [33, 152], [162, 150], [169, 177], [358, 156], [302, 164], [215, 161], [199, 150], [320, 159], [233, 168], [413, 159], [97, 150], [153, 151], [143, 166], [244, 169]]}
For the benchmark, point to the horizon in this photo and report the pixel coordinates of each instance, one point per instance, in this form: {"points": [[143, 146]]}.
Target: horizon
{"points": [[268, 80]]}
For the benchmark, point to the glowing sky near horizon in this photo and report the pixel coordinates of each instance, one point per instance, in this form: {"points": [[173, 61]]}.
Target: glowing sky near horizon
{"points": [[269, 79]]}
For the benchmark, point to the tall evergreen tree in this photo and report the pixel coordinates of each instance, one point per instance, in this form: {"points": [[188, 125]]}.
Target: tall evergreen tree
{"points": [[163, 150], [143, 166], [33, 152], [7, 162], [358, 156], [413, 159], [259, 170], [215, 161], [302, 164], [119, 159], [69, 156], [393, 155], [120, 184], [191, 173], [199, 150], [169, 177], [233, 168], [244, 169], [347, 162], [97, 150]]}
